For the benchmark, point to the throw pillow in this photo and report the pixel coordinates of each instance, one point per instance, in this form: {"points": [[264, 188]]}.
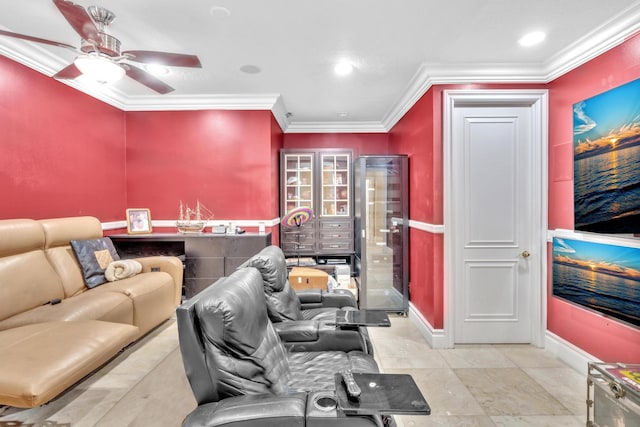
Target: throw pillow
{"points": [[94, 257]]}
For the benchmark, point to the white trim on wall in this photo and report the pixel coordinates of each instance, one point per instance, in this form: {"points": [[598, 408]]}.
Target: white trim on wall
{"points": [[434, 337], [570, 354], [169, 223], [424, 226], [610, 239]]}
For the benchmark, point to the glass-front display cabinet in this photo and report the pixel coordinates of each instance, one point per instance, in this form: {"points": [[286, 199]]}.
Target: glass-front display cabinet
{"points": [[321, 180], [298, 185], [336, 171], [382, 231]]}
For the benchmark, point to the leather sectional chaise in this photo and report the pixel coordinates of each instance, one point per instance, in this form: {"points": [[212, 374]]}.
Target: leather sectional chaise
{"points": [[54, 330]]}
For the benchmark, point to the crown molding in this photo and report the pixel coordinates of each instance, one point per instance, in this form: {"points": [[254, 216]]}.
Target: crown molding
{"points": [[336, 127], [199, 102], [601, 39]]}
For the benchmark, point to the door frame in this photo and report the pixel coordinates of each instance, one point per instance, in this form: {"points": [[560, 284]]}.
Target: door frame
{"points": [[537, 101]]}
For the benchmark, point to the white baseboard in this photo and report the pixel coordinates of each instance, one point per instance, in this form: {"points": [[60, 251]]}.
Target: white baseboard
{"points": [[570, 354], [435, 337]]}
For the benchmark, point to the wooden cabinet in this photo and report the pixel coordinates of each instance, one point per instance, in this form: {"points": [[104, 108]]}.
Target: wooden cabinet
{"points": [[206, 257], [321, 180]]}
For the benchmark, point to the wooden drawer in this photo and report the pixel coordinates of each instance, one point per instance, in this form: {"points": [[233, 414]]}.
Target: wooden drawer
{"points": [[292, 236], [334, 246], [292, 247], [339, 234], [336, 225]]}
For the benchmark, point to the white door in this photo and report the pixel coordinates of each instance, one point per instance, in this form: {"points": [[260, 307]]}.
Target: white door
{"points": [[495, 248]]}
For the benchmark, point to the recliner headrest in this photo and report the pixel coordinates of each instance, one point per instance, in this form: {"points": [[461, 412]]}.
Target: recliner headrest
{"points": [[272, 265], [239, 341], [233, 315]]}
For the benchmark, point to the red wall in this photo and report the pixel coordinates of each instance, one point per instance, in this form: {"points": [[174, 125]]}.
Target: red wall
{"points": [[62, 151], [222, 158], [606, 339], [414, 135]]}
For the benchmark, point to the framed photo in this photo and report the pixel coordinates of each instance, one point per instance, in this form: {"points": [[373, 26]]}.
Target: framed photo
{"points": [[138, 221]]}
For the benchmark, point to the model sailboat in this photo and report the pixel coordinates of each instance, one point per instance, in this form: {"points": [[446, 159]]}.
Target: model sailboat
{"points": [[193, 220]]}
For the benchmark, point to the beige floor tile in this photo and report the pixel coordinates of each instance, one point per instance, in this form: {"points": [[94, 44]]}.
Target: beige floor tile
{"points": [[538, 421], [449, 421], [565, 384], [509, 391], [444, 420], [481, 357], [527, 356], [147, 404]]}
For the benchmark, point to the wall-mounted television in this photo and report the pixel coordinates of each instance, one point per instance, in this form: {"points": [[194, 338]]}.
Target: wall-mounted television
{"points": [[606, 143], [600, 277]]}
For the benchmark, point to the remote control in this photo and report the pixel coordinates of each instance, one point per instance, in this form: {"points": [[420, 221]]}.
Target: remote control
{"points": [[353, 391]]}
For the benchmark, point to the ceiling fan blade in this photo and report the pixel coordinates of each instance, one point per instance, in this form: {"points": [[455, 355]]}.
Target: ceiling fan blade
{"points": [[79, 19], [68, 72], [148, 79], [163, 58], [36, 39]]}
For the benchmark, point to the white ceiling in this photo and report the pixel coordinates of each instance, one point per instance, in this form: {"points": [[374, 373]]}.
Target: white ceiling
{"points": [[399, 49]]}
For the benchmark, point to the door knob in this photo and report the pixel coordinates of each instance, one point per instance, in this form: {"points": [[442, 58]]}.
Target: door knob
{"points": [[525, 254]]}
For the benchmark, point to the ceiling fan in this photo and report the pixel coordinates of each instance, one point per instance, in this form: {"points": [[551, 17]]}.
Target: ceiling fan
{"points": [[100, 55]]}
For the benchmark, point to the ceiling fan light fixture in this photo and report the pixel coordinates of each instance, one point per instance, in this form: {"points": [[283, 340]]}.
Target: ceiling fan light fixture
{"points": [[157, 69], [100, 69]]}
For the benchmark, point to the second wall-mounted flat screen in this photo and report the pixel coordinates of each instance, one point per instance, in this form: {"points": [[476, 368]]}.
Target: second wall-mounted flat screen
{"points": [[606, 142], [601, 277]]}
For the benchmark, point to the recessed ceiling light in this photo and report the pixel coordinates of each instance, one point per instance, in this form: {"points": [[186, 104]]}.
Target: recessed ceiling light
{"points": [[343, 114], [220, 11], [343, 68], [532, 38], [250, 69]]}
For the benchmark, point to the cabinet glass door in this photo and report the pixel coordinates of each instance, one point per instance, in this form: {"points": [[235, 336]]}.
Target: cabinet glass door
{"points": [[335, 193], [298, 188], [382, 219]]}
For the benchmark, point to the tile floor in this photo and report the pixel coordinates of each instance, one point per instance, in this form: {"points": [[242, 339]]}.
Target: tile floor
{"points": [[483, 385], [488, 385]]}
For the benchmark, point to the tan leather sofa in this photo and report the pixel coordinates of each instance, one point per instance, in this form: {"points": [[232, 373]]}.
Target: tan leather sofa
{"points": [[45, 348]]}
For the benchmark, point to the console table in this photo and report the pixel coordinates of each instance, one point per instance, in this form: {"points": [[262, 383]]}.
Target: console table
{"points": [[207, 257]]}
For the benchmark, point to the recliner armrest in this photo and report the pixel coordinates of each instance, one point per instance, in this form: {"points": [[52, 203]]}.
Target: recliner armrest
{"points": [[259, 410], [328, 338], [316, 298], [309, 296], [297, 331], [168, 264], [267, 410]]}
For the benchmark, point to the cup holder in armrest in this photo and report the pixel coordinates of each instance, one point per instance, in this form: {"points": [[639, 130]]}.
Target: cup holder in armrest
{"points": [[325, 402]]}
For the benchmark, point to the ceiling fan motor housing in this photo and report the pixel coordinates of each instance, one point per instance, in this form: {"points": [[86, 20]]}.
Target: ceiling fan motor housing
{"points": [[109, 45]]}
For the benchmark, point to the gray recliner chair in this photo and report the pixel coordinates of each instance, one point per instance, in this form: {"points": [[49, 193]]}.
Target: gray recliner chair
{"points": [[240, 372], [306, 320]]}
